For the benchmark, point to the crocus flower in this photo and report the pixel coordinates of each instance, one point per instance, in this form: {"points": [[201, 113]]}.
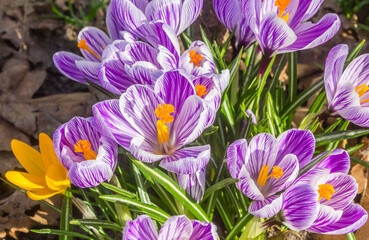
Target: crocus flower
{"points": [[134, 15], [45, 176], [281, 25], [154, 124], [347, 91], [176, 227], [268, 165], [327, 193], [88, 155], [229, 12], [91, 42]]}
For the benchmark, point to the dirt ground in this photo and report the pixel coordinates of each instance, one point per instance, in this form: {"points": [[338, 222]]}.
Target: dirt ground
{"points": [[35, 97]]}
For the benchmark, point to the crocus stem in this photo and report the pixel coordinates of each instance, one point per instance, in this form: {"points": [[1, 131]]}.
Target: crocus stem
{"points": [[264, 62]]}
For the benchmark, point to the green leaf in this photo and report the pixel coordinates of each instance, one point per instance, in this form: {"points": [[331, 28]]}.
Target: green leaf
{"points": [[119, 190], [233, 68], [218, 186], [174, 189], [326, 138], [292, 77], [362, 163], [60, 233], [239, 226], [303, 97], [351, 236], [94, 6], [353, 149], [355, 52], [152, 210], [65, 216], [97, 223], [186, 40]]}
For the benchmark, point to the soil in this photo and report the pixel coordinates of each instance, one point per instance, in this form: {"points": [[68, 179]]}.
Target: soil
{"points": [[35, 97]]}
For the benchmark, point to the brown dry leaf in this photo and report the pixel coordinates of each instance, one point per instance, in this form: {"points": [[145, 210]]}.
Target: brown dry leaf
{"points": [[8, 132], [360, 173]]}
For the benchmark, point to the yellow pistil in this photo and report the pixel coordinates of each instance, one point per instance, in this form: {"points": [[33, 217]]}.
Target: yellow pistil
{"points": [[164, 112], [84, 146], [195, 58], [361, 90], [83, 45], [200, 90], [277, 172], [282, 6], [325, 191]]}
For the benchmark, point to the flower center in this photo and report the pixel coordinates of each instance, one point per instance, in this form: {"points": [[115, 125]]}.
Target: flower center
{"points": [[200, 90], [325, 191], [282, 6], [83, 45], [195, 58], [84, 146], [263, 175], [163, 112], [361, 90]]}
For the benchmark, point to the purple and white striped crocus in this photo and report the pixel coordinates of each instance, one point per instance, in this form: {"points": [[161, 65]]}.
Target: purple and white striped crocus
{"points": [[280, 25], [347, 91], [134, 16], [155, 123], [89, 157], [176, 227], [229, 12], [321, 200], [268, 165]]}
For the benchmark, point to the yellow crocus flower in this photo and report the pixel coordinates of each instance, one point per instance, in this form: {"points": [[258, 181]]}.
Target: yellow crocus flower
{"points": [[45, 176]]}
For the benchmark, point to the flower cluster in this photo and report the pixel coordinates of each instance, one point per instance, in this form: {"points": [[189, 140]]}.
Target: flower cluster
{"points": [[166, 106]]}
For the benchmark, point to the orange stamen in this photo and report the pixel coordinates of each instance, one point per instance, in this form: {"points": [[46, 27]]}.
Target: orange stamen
{"points": [[83, 45], [282, 6], [200, 90], [361, 90], [325, 191], [164, 112], [277, 172], [84, 146], [195, 58]]}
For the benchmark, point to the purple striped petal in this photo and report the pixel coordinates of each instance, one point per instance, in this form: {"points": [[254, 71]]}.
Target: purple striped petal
{"points": [[163, 35], [65, 62], [204, 231], [244, 34], [144, 151], [298, 142], [174, 88], [356, 115], [337, 161], [189, 123], [345, 98], [297, 11], [274, 34], [333, 69], [353, 218], [113, 27], [251, 114], [141, 228], [310, 35], [314, 177], [248, 186], [109, 120], [166, 59], [113, 50], [190, 11], [267, 208], [312, 10], [96, 40], [290, 167], [327, 215], [345, 190], [176, 227], [141, 4], [236, 157], [90, 70], [138, 106], [300, 206], [169, 11], [89, 173], [263, 149], [228, 12], [131, 18], [357, 72], [222, 80], [187, 160], [193, 183]]}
